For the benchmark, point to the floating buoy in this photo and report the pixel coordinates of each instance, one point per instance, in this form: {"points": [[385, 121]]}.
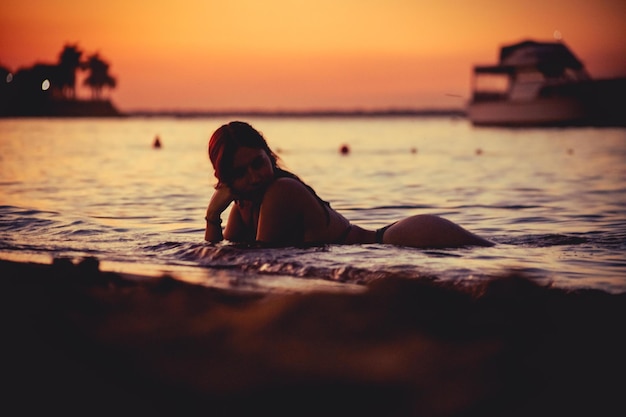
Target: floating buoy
{"points": [[479, 151], [344, 149], [413, 150], [157, 142]]}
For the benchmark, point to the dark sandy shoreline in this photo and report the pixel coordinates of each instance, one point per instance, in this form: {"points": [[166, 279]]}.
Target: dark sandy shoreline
{"points": [[78, 341]]}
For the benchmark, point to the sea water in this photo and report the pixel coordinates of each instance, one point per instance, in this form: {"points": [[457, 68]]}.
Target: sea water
{"points": [[552, 199]]}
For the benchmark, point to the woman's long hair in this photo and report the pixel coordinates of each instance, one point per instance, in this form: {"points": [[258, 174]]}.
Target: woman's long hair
{"points": [[226, 140]]}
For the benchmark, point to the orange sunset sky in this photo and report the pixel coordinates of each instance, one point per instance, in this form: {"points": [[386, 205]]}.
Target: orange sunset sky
{"points": [[299, 55]]}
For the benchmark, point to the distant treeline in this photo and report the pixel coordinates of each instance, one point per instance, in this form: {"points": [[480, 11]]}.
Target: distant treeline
{"points": [[392, 112], [50, 89]]}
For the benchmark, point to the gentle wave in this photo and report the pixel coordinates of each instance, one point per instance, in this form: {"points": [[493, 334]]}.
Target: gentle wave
{"points": [[337, 263], [547, 240], [357, 264], [294, 262]]}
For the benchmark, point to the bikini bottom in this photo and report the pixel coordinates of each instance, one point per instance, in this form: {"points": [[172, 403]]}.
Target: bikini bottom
{"points": [[380, 233]]}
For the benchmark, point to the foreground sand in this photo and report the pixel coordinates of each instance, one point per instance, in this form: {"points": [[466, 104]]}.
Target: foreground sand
{"points": [[78, 341]]}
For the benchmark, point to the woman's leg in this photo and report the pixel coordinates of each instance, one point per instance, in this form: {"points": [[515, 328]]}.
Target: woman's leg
{"points": [[428, 231]]}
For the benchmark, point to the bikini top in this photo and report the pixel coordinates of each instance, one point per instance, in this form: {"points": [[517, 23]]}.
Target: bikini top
{"points": [[281, 173]]}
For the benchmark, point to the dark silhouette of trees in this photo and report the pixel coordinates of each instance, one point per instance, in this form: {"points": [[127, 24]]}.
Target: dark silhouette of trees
{"points": [[69, 63], [6, 78], [98, 77], [50, 89]]}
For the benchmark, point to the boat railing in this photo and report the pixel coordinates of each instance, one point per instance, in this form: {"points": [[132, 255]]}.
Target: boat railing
{"points": [[478, 96]]}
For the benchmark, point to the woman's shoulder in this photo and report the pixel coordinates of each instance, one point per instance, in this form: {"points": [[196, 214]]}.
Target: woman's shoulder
{"points": [[287, 185], [291, 190]]}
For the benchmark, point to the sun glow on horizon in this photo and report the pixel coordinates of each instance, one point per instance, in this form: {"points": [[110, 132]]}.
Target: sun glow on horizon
{"points": [[303, 54]]}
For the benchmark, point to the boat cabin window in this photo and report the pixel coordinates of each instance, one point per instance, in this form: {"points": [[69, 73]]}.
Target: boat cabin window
{"points": [[491, 83], [490, 86]]}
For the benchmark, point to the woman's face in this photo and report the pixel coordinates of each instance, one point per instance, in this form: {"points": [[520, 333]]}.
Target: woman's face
{"points": [[252, 170]]}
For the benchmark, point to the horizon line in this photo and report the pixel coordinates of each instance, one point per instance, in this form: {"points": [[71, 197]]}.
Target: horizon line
{"points": [[459, 112]]}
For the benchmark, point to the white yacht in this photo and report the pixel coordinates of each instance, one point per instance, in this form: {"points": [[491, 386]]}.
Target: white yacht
{"points": [[543, 84]]}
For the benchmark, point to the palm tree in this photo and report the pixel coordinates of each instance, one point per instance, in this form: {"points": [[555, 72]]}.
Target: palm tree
{"points": [[98, 77], [69, 62]]}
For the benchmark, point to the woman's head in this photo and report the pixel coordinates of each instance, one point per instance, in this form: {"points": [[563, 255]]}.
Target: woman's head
{"points": [[226, 141]]}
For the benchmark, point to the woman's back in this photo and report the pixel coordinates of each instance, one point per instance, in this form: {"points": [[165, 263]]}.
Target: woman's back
{"points": [[291, 213]]}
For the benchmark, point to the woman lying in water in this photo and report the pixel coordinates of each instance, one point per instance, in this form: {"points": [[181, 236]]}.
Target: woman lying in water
{"points": [[274, 207]]}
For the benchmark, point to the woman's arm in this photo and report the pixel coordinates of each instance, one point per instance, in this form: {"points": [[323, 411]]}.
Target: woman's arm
{"points": [[221, 199], [236, 228]]}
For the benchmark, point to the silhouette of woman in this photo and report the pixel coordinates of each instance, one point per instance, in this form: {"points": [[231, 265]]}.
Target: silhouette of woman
{"points": [[273, 206]]}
